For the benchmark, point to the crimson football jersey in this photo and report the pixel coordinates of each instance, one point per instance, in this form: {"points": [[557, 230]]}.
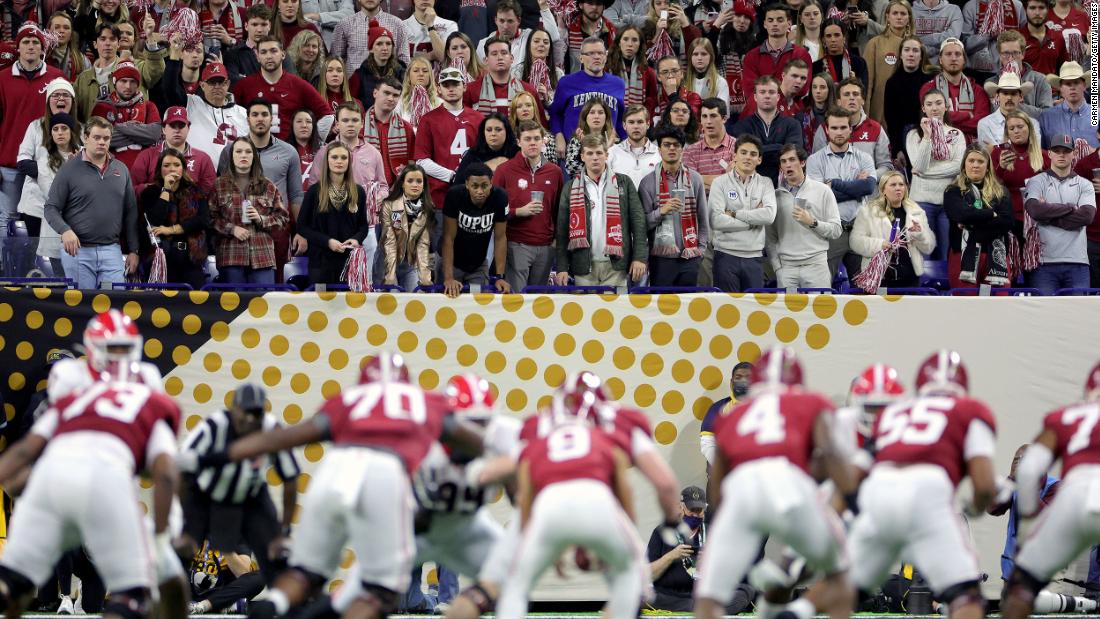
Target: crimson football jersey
{"points": [[570, 452], [397, 417], [772, 425], [930, 430], [444, 138], [288, 95], [127, 411], [1078, 435], [619, 423]]}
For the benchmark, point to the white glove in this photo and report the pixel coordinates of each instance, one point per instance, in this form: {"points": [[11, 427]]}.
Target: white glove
{"points": [[167, 561]]}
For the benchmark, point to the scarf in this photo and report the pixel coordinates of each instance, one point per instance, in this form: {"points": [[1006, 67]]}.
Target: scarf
{"points": [[662, 46], [1075, 45], [845, 66], [996, 252], [635, 83], [487, 101], [185, 207], [689, 225], [578, 217], [732, 66], [419, 105], [941, 140], [577, 35], [397, 142], [540, 76], [460, 64], [965, 102], [126, 111], [993, 22]]}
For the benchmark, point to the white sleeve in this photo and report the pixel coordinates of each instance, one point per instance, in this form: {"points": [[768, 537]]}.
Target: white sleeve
{"points": [[640, 443], [706, 445], [46, 424], [979, 441], [161, 441], [436, 170], [1033, 465], [66, 377], [151, 377], [502, 436]]}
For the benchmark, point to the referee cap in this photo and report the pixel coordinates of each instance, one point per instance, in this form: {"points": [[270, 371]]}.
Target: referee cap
{"points": [[250, 397]]}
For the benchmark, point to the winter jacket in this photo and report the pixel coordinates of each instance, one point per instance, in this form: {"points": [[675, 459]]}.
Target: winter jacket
{"points": [[872, 227], [983, 225], [22, 101], [635, 238], [33, 200], [406, 242]]}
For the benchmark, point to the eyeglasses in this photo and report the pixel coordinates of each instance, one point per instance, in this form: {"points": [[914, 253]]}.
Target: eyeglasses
{"points": [[669, 72], [61, 95]]}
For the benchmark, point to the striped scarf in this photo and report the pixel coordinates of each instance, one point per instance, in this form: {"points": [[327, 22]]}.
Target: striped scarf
{"points": [[689, 223], [842, 72], [578, 216], [635, 83], [577, 36], [487, 100], [397, 143], [732, 68], [965, 102]]}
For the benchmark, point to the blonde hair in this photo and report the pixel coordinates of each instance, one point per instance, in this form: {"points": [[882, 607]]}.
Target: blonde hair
{"points": [[880, 206], [345, 88], [908, 9], [407, 86], [992, 189], [323, 201], [513, 117], [712, 76], [674, 28], [1034, 149], [294, 51]]}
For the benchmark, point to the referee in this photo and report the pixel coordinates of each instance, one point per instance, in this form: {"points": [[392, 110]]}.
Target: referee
{"points": [[229, 504]]}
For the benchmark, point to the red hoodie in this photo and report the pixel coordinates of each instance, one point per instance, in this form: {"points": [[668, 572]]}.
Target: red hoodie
{"points": [[22, 101], [517, 179]]}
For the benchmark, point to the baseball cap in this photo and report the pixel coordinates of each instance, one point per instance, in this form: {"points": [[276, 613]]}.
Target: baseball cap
{"points": [[694, 498], [250, 398], [450, 74], [58, 355], [214, 70], [1061, 141], [176, 114]]}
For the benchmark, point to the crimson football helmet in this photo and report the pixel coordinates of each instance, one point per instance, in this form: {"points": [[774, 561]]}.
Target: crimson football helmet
{"points": [[1092, 384], [384, 367], [777, 367], [878, 385], [943, 370], [578, 397], [469, 396], [113, 345]]}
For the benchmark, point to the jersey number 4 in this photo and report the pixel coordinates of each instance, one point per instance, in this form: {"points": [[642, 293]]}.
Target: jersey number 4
{"points": [[123, 404], [399, 401], [920, 423], [764, 421]]}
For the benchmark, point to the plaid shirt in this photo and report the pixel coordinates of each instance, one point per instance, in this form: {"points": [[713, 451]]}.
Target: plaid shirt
{"points": [[349, 40], [258, 252], [710, 161]]}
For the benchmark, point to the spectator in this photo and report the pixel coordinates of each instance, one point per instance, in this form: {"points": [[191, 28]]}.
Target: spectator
{"points": [[496, 144], [795, 76], [66, 56], [864, 19], [427, 32], [677, 214], [393, 136], [304, 139], [740, 379], [175, 208], [1089, 169], [979, 208], [903, 91], [966, 102], [475, 213], [742, 203], [589, 22], [289, 21], [627, 61], [836, 59], [806, 219], [151, 49], [668, 20], [182, 72], [59, 144], [822, 97], [337, 88], [1044, 48], [539, 48], [218, 119], [92, 204], [601, 229], [982, 53], [222, 24], [636, 156], [60, 98], [711, 155], [351, 38], [1073, 116], [136, 121], [867, 134], [241, 59], [893, 214], [418, 76], [1065, 15], [736, 37], [507, 21], [808, 30], [627, 13], [1016, 160], [273, 83], [1050, 486], [443, 137], [1008, 93], [533, 186], [406, 221], [672, 87], [379, 64], [89, 17], [496, 87], [1010, 48], [935, 22], [1062, 204], [334, 218], [882, 54], [306, 52], [199, 167], [576, 89], [776, 51], [246, 209], [935, 164], [460, 54], [525, 107], [680, 115], [768, 126], [328, 14], [850, 173], [593, 121]]}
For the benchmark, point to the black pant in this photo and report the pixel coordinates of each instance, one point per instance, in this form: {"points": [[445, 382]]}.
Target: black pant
{"points": [[742, 601], [244, 587], [673, 271], [1094, 264], [181, 268], [255, 523]]}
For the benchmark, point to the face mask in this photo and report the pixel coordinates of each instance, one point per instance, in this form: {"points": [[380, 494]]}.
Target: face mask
{"points": [[693, 521], [740, 388]]}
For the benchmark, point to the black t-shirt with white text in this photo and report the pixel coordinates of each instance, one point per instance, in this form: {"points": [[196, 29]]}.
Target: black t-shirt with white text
{"points": [[475, 225]]}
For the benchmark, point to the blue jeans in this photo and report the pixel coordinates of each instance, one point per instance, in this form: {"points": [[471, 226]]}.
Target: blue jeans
{"points": [[936, 264], [247, 275], [415, 599], [92, 266], [734, 274], [1051, 277], [448, 584]]}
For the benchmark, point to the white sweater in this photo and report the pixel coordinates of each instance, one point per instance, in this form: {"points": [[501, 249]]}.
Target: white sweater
{"points": [[872, 227], [754, 204], [931, 177], [33, 202]]}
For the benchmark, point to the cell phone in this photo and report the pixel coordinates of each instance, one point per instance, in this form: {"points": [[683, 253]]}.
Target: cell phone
{"points": [[853, 9], [664, 14]]}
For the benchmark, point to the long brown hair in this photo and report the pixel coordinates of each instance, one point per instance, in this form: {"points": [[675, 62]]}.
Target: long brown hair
{"points": [[56, 159], [324, 203], [616, 64], [185, 179], [474, 68], [277, 20], [345, 87], [70, 52], [257, 182], [992, 189], [908, 9]]}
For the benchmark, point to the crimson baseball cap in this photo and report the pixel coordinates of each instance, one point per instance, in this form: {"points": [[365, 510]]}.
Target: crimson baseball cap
{"points": [[176, 114], [214, 70]]}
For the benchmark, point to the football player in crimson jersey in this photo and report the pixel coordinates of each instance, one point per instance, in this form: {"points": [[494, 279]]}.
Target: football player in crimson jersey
{"points": [[382, 429], [1069, 524], [109, 347], [86, 449], [761, 485], [444, 135], [923, 447]]}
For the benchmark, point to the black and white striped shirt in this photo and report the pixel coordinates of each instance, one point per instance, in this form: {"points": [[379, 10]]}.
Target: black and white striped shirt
{"points": [[236, 482]]}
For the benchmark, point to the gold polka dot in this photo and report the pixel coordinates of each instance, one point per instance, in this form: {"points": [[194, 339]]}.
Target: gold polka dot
{"points": [[517, 400], [484, 298], [271, 376], [652, 364], [672, 402], [786, 329], [299, 383], [407, 341], [415, 311], [313, 453], [644, 395], [855, 312], [553, 375], [445, 318], [202, 393], [227, 400], [273, 477], [526, 368], [6, 312], [699, 309], [661, 333], [292, 414], [428, 379], [257, 307], [181, 355], [161, 318], [533, 338], [386, 304], [24, 350], [682, 371], [347, 328], [338, 359], [641, 301], [690, 340], [824, 306], [592, 351], [495, 362], [817, 336], [710, 377], [564, 344], [376, 335], [615, 387], [279, 345], [749, 351], [34, 319], [728, 316], [40, 293], [198, 297], [101, 303], [720, 347], [435, 348], [310, 352], [192, 421], [212, 362], [153, 348], [173, 386], [765, 298], [700, 406], [511, 302], [62, 327], [466, 355], [505, 331], [665, 433], [72, 299], [602, 320], [9, 414], [219, 331], [317, 321], [668, 304], [630, 326], [329, 389], [250, 338], [571, 314], [543, 307], [132, 309], [759, 323], [474, 324], [288, 314], [241, 369], [355, 300], [796, 302], [229, 301], [623, 357]]}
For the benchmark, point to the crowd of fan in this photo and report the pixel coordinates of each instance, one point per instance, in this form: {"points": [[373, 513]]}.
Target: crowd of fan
{"points": [[717, 143]]}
